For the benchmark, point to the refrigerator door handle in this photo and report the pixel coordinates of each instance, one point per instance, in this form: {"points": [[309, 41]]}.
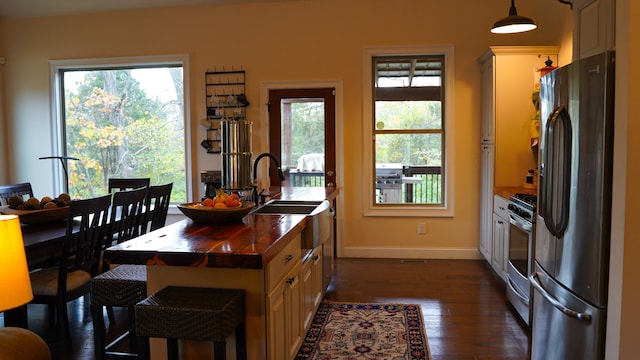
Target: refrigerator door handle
{"points": [[558, 305], [559, 125]]}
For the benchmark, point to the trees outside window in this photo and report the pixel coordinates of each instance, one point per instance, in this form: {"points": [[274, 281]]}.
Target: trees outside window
{"points": [[123, 122]]}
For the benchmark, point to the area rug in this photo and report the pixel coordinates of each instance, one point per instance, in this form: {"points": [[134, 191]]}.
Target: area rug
{"points": [[351, 331]]}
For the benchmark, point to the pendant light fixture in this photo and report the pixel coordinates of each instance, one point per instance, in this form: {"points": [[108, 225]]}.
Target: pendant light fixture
{"points": [[513, 23]]}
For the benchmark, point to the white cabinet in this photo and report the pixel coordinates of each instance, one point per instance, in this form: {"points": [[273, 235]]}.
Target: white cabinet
{"points": [[500, 238], [283, 317], [486, 199], [593, 27], [311, 277], [508, 78], [283, 303]]}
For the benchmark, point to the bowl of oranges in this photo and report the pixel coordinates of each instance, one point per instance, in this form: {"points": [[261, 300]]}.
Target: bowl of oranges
{"points": [[222, 209]]}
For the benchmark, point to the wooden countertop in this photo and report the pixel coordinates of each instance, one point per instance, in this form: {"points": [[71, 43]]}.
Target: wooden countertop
{"points": [[249, 244], [508, 191]]}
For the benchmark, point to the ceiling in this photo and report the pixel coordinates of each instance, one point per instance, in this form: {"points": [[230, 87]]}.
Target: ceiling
{"points": [[36, 8]]}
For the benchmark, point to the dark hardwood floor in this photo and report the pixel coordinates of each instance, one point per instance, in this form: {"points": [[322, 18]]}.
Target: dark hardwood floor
{"points": [[463, 302]]}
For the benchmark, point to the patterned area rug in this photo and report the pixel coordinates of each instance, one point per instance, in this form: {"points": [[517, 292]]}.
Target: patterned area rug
{"points": [[348, 331]]}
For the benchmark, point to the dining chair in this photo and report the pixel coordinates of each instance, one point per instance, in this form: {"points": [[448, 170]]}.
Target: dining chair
{"points": [[70, 279], [127, 214], [8, 191], [156, 207], [121, 184]]}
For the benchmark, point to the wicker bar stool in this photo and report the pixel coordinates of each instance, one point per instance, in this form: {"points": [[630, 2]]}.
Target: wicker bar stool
{"points": [[122, 286], [192, 313]]}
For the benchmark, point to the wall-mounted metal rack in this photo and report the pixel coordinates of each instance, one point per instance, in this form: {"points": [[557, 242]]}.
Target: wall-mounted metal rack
{"points": [[226, 100]]}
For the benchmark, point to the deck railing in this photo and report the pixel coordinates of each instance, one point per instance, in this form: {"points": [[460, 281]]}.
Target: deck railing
{"points": [[427, 191]]}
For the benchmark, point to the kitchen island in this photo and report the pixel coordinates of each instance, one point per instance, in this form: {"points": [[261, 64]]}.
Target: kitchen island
{"points": [[262, 255]]}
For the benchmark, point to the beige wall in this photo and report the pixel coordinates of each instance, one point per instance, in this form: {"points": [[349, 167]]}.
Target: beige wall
{"points": [[311, 40], [624, 314], [281, 41]]}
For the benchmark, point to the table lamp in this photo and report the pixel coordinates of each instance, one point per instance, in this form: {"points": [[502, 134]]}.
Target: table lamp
{"points": [[15, 290]]}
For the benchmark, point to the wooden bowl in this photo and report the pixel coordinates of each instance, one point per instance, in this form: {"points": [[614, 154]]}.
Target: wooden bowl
{"points": [[34, 217], [210, 215]]}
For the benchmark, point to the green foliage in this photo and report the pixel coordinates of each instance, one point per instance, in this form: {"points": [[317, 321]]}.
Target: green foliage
{"points": [[409, 132], [117, 130], [307, 133]]}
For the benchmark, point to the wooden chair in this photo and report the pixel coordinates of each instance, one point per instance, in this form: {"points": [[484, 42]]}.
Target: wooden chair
{"points": [[81, 250], [7, 191], [121, 184], [127, 214], [124, 285], [157, 207]]}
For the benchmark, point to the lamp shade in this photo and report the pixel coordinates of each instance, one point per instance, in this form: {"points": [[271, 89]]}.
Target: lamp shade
{"points": [[513, 23], [15, 286]]}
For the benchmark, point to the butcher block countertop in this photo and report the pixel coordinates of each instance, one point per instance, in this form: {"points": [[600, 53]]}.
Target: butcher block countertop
{"points": [[508, 191], [249, 244]]}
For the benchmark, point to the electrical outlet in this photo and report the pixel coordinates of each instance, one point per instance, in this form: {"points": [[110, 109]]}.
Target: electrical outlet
{"points": [[422, 228]]}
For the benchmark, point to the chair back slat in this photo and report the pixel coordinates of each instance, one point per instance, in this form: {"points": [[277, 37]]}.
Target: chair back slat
{"points": [[121, 184], [8, 191], [127, 214], [157, 207], [86, 227]]}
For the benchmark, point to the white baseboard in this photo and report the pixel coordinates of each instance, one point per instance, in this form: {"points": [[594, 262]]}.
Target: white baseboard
{"points": [[412, 253]]}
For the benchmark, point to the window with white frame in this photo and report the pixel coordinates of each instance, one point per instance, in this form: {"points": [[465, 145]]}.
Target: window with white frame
{"points": [[122, 118], [408, 116]]}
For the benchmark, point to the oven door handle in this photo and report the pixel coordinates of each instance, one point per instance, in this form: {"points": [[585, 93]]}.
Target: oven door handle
{"points": [[558, 305], [520, 224]]}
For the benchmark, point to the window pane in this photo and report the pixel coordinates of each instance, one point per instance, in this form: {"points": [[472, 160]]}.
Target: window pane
{"points": [[403, 115], [417, 158], [124, 123], [409, 149], [302, 130]]}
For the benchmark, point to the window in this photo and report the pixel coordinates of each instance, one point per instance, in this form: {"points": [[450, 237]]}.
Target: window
{"points": [[122, 119], [409, 120]]}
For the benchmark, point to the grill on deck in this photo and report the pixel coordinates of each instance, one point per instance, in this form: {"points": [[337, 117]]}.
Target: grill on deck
{"points": [[389, 182]]}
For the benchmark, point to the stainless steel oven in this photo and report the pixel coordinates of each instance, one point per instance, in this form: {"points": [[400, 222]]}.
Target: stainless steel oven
{"points": [[522, 214]]}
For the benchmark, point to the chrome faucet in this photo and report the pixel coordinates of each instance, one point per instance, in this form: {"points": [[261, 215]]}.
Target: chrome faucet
{"points": [[254, 194]]}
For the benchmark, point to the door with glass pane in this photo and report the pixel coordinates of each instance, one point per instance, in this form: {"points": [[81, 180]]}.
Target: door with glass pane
{"points": [[302, 136]]}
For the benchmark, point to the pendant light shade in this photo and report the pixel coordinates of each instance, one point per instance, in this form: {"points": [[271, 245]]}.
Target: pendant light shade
{"points": [[513, 23]]}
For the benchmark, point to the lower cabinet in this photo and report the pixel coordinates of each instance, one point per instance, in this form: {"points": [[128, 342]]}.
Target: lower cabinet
{"points": [[291, 301], [311, 276], [500, 237], [283, 317]]}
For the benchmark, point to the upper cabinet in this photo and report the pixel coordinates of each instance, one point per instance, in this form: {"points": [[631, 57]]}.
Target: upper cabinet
{"points": [[508, 80], [593, 27]]}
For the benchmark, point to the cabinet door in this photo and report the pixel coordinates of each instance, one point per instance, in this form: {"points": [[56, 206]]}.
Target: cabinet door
{"points": [[293, 297], [500, 245], [486, 200], [283, 317], [306, 278], [488, 83], [594, 27], [317, 273], [276, 323], [311, 279]]}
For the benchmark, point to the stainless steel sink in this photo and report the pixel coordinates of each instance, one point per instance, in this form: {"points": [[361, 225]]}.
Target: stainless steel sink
{"points": [[318, 215]]}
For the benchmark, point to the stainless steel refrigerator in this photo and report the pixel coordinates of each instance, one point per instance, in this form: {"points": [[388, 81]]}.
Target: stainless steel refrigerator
{"points": [[571, 270]]}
